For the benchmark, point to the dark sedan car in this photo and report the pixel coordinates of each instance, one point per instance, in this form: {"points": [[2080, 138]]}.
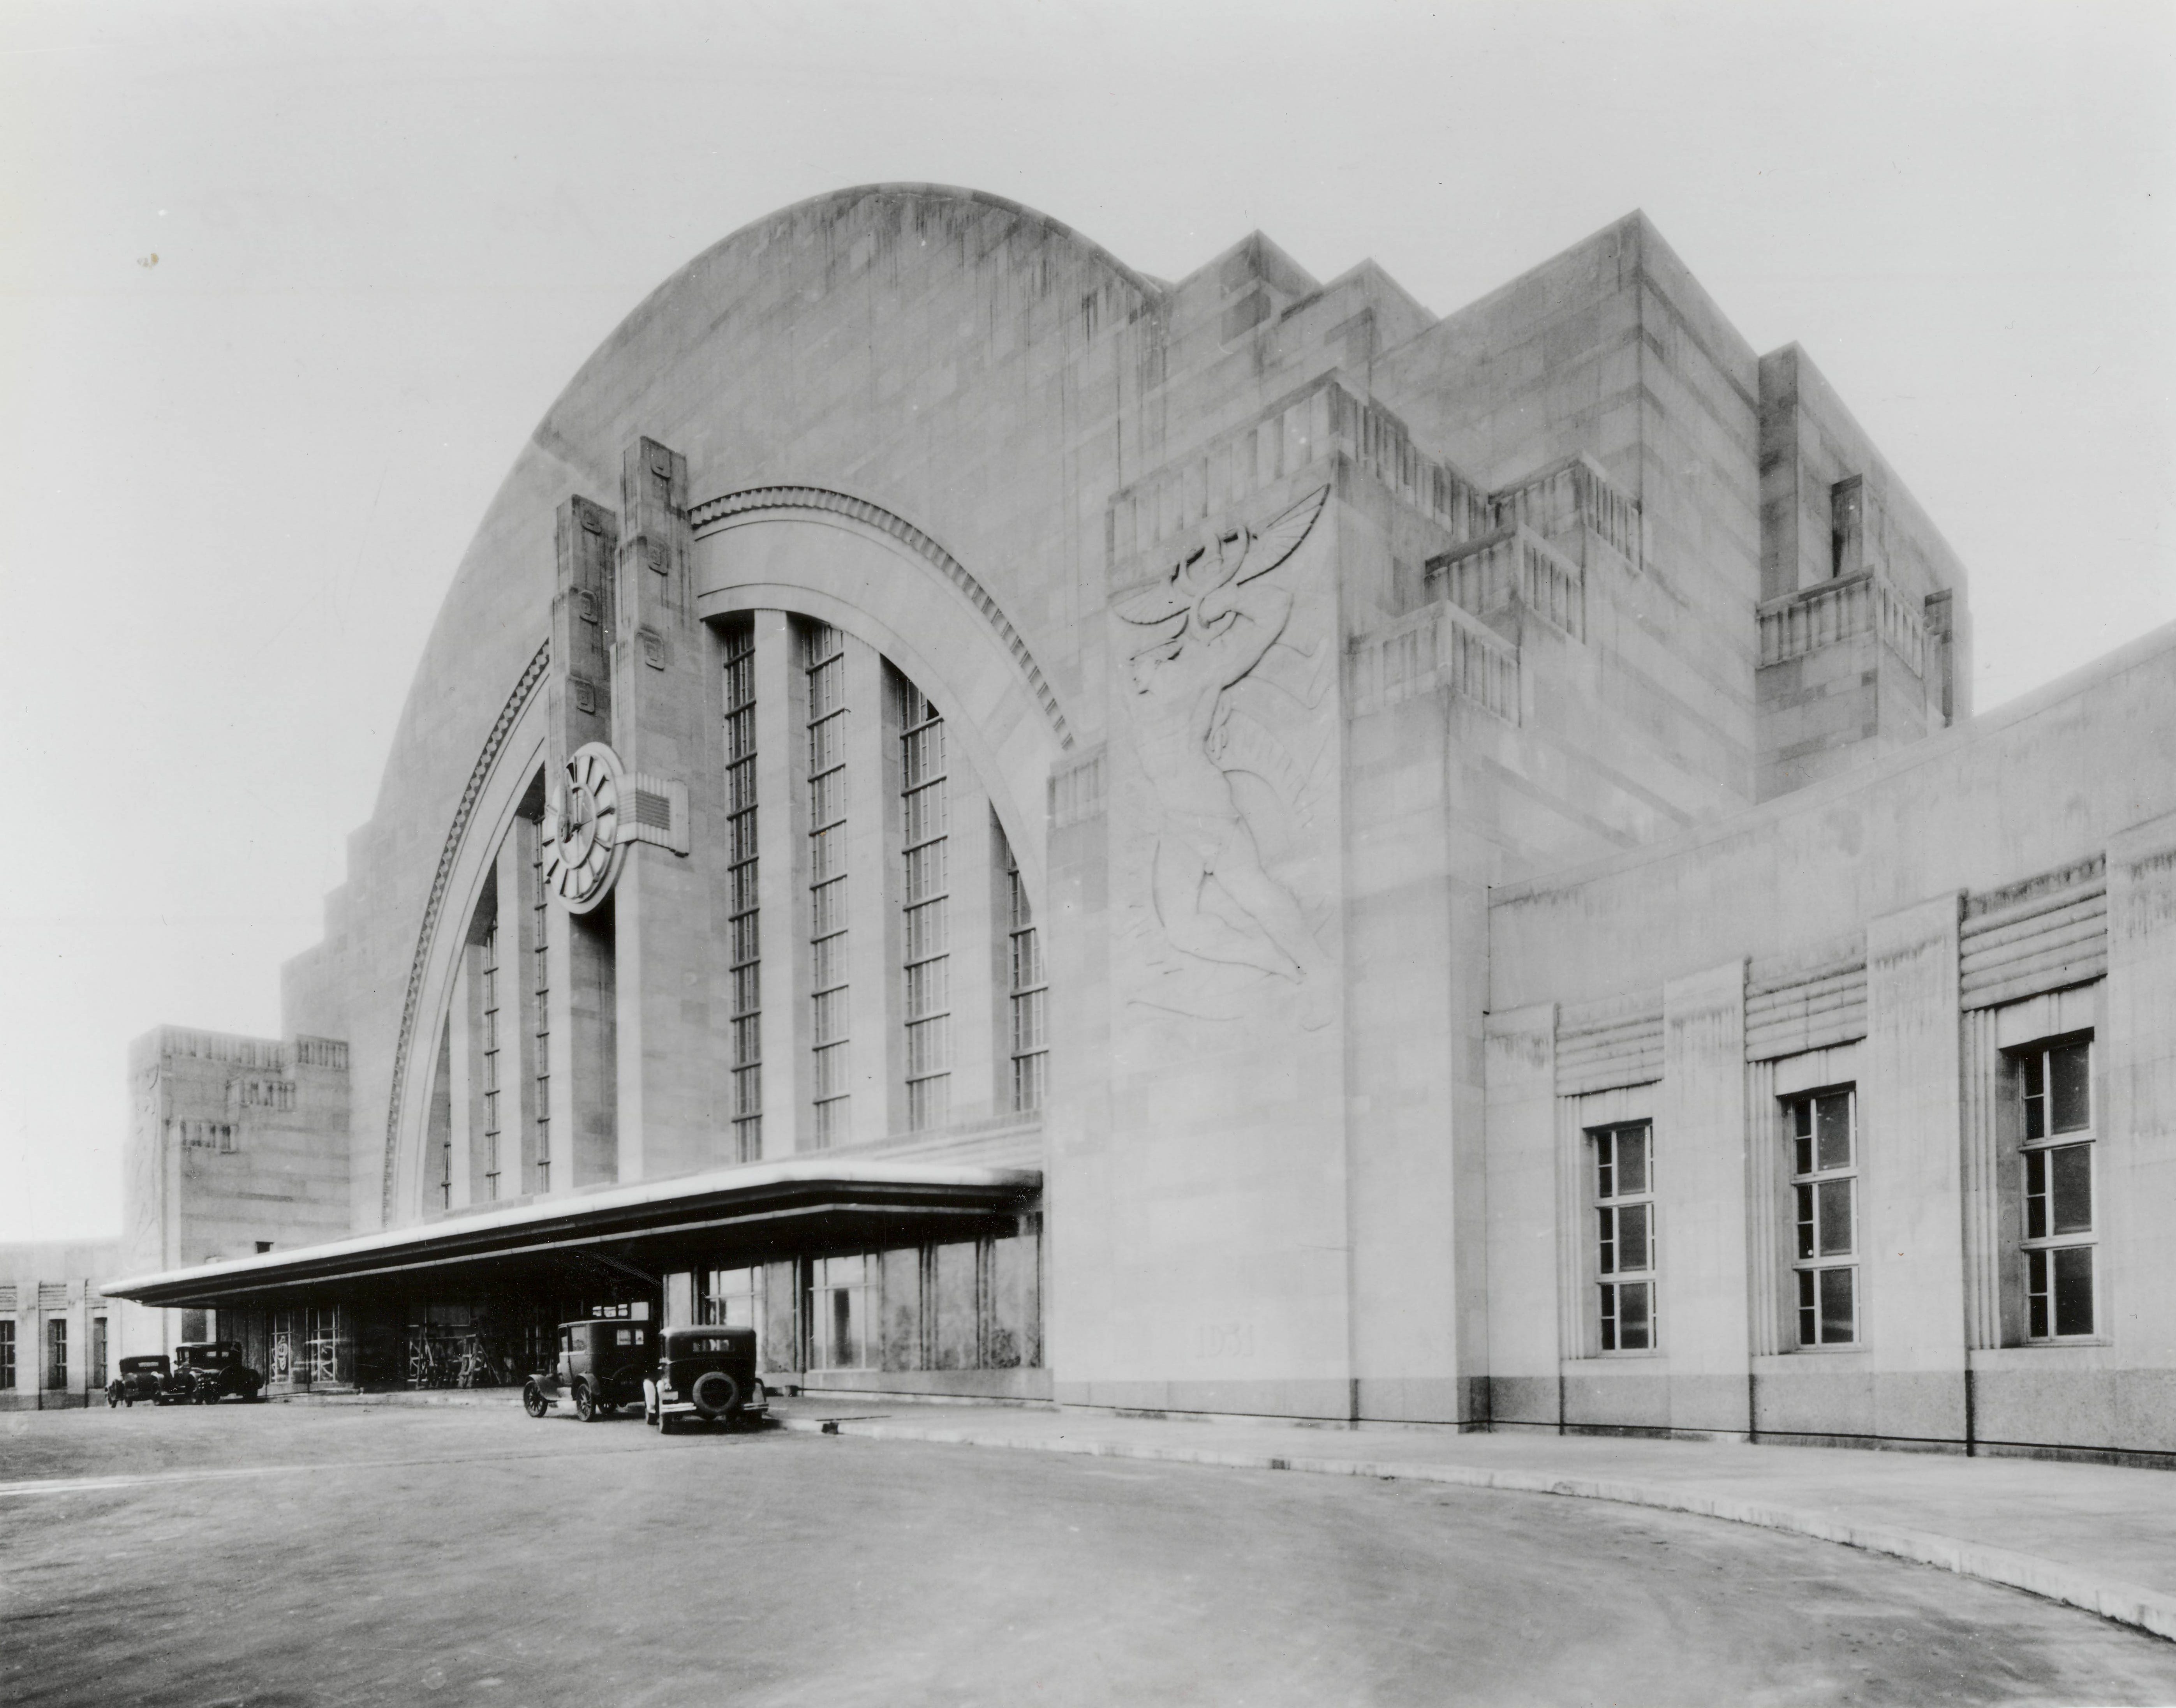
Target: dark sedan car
{"points": [[207, 1372], [601, 1368], [705, 1375], [142, 1378]]}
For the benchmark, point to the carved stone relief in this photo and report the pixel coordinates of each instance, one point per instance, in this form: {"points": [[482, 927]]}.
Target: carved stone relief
{"points": [[1223, 679]]}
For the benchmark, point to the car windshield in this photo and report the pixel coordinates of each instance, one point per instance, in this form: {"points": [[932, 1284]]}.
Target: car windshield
{"points": [[212, 1355]]}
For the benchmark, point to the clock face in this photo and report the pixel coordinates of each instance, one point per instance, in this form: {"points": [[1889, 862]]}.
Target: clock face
{"points": [[582, 848]]}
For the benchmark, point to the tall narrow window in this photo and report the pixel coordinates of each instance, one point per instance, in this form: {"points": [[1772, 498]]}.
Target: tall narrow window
{"points": [[1624, 1235], [98, 1351], [825, 663], [2055, 1084], [442, 1115], [927, 901], [7, 1353], [541, 984], [1847, 527], [1031, 1054], [838, 1315], [746, 944], [1824, 1132], [56, 1351], [489, 977]]}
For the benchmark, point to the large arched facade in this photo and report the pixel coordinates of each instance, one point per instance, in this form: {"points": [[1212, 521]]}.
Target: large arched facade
{"points": [[1230, 846]]}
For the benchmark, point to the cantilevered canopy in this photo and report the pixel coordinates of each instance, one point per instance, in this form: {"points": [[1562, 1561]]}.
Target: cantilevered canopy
{"points": [[797, 1206]]}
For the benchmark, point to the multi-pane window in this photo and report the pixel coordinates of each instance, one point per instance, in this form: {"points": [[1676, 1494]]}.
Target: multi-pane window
{"points": [[2055, 1084], [745, 944], [1030, 997], [56, 1351], [7, 1353], [488, 977], [541, 985], [825, 660], [1823, 1140], [98, 1351], [446, 1144], [732, 1297], [928, 894], [1624, 1235], [839, 1315]]}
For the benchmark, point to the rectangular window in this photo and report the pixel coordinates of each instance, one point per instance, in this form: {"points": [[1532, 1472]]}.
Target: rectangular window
{"points": [[824, 663], [926, 901], [733, 1297], [540, 915], [1624, 1235], [56, 1351], [491, 1126], [2054, 1089], [1031, 1055], [98, 1351], [743, 939], [7, 1354], [838, 1316], [1823, 1140]]}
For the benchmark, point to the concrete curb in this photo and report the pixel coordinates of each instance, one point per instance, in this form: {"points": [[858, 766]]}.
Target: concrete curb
{"points": [[2127, 1604]]}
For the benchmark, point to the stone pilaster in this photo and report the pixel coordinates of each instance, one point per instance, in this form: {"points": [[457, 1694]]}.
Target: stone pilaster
{"points": [[671, 904], [782, 820], [2137, 1085], [1703, 1322], [465, 1082], [1912, 1313], [872, 888], [1525, 1262], [578, 947], [981, 970], [517, 1011]]}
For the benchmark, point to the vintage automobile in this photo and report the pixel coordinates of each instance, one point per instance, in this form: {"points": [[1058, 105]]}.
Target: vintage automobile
{"points": [[601, 1366], [705, 1375], [207, 1372], [143, 1377]]}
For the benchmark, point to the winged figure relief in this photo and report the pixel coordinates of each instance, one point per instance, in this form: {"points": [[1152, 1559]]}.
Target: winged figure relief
{"points": [[1211, 626]]}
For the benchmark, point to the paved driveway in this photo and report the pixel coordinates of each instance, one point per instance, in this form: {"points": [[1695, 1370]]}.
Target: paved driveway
{"points": [[288, 1555]]}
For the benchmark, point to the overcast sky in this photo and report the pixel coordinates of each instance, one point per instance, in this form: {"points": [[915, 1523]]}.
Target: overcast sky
{"points": [[283, 288]]}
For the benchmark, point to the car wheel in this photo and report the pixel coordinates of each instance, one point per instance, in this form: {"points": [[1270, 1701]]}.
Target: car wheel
{"points": [[113, 1396], [716, 1393], [585, 1403], [668, 1426], [533, 1400]]}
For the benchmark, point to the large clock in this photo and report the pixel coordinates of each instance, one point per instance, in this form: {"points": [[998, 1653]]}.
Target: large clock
{"points": [[583, 842]]}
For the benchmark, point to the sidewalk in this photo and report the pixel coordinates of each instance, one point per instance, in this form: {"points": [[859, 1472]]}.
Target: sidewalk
{"points": [[2101, 1538]]}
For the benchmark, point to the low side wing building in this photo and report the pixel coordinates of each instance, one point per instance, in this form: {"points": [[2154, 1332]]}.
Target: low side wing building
{"points": [[1230, 846]]}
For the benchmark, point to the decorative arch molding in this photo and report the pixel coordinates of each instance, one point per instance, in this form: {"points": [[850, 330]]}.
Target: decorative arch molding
{"points": [[480, 777], [825, 567], [754, 502]]}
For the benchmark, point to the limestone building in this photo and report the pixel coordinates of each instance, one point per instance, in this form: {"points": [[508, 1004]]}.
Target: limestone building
{"points": [[1236, 846]]}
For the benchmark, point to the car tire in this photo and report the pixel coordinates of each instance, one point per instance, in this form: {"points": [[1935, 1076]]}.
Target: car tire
{"points": [[533, 1400], [113, 1396], [668, 1426], [585, 1403], [716, 1393]]}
